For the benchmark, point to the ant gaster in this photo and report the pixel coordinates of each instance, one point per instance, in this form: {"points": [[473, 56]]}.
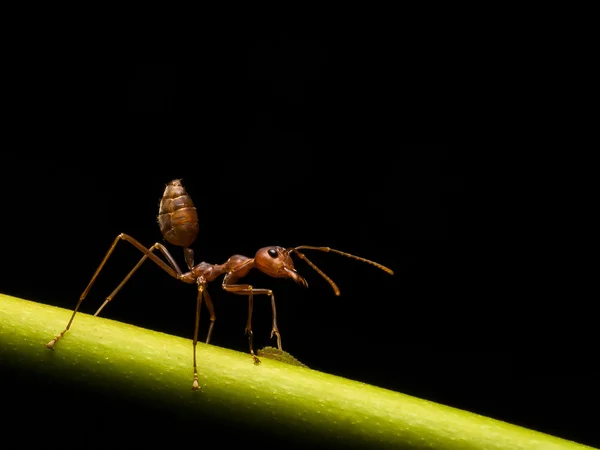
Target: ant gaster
{"points": [[178, 221]]}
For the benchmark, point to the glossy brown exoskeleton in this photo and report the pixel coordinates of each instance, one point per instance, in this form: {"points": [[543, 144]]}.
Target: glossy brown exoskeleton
{"points": [[178, 221]]}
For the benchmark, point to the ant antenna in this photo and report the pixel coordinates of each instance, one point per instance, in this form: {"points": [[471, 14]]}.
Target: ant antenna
{"points": [[336, 290]]}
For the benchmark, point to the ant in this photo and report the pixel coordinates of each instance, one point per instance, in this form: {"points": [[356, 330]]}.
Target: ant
{"points": [[178, 221]]}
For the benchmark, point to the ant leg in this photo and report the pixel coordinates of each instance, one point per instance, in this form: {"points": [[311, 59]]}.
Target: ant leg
{"points": [[248, 329], [211, 311], [201, 288], [174, 272], [246, 289], [274, 329], [165, 253]]}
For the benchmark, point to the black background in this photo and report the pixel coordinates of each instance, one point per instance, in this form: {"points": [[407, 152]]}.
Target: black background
{"points": [[290, 142]]}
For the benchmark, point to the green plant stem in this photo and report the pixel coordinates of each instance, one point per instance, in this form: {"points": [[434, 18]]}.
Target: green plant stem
{"points": [[297, 402]]}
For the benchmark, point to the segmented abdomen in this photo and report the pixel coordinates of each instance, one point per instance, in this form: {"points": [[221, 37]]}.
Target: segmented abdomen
{"points": [[177, 215]]}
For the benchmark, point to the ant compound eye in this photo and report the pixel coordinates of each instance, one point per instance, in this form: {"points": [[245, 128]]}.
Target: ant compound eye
{"points": [[272, 253]]}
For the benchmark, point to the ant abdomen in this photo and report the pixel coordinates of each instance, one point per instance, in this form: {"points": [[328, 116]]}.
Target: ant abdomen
{"points": [[177, 216]]}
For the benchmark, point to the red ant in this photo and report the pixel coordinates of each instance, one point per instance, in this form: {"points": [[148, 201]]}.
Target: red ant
{"points": [[178, 222]]}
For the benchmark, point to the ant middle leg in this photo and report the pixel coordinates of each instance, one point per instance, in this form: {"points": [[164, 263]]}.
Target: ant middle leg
{"points": [[211, 312], [248, 329], [201, 291]]}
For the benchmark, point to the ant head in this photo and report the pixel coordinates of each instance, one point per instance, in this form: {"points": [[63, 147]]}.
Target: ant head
{"points": [[276, 262]]}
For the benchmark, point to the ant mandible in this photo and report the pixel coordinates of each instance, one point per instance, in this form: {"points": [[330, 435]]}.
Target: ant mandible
{"points": [[178, 221]]}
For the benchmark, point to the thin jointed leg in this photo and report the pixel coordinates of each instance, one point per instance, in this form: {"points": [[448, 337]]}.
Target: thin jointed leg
{"points": [[211, 312], [246, 289], [165, 253], [173, 271], [274, 329], [248, 330], [195, 385]]}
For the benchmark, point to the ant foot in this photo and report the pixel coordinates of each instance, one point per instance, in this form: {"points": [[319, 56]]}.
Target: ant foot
{"points": [[276, 333]]}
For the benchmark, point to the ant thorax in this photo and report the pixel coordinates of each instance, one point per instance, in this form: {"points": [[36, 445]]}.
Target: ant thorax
{"points": [[205, 270]]}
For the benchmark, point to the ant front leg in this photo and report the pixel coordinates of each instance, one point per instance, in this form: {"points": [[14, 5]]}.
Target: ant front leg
{"points": [[246, 289]]}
